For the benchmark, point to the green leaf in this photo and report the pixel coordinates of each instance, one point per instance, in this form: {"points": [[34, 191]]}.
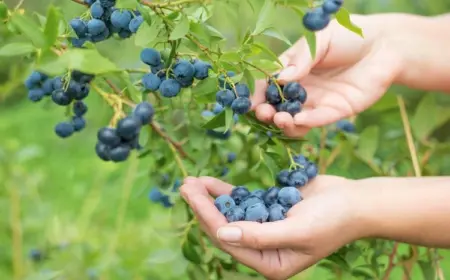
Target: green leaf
{"points": [[191, 254], [309, 36], [205, 87], [428, 117], [228, 118], [343, 18], [217, 121], [145, 12], [237, 78], [15, 49], [264, 17], [162, 256], [3, 10], [368, 143], [272, 32], [267, 51], [340, 261], [181, 29], [54, 16], [428, 270], [146, 34], [126, 4], [250, 80], [28, 27]]}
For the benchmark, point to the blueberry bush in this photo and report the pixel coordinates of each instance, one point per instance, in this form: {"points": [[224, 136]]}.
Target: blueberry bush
{"points": [[109, 104]]}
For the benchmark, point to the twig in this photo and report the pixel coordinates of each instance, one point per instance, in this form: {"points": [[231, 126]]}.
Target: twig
{"points": [[322, 161], [114, 87], [391, 263], [177, 146], [81, 2]]}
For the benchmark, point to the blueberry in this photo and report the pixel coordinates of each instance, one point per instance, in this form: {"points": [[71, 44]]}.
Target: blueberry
{"points": [[242, 90], [78, 123], [231, 157], [107, 3], [225, 97], [281, 107], [102, 151], [77, 43], [303, 95], [276, 212], [271, 196], [170, 88], [311, 171], [34, 80], [47, 86], [257, 213], [223, 81], [119, 153], [101, 36], [283, 177], [332, 6], [144, 112], [58, 83], [201, 69], [241, 105], [36, 94], [183, 71], [273, 95], [155, 195], [176, 186], [158, 69], [301, 159], [289, 196], [81, 77], [64, 129], [125, 33], [97, 10], [121, 18], [224, 203], [151, 57], [249, 201], [133, 143], [186, 83], [239, 194], [151, 82], [82, 92], [61, 98], [292, 91], [293, 107], [79, 108], [218, 109], [207, 114], [224, 172], [259, 193], [235, 214], [346, 126], [165, 201], [108, 136], [128, 127], [298, 178], [135, 23], [36, 255], [96, 27], [316, 19], [79, 27]]}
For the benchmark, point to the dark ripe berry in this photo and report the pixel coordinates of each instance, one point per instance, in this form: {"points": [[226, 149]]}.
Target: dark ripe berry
{"points": [[82, 91], [125, 33], [183, 71], [276, 213], [58, 83], [303, 95], [346, 126], [79, 108], [135, 23], [165, 201], [225, 170], [78, 43], [301, 159], [218, 109], [257, 213], [259, 193], [293, 107], [96, 27], [158, 70], [121, 18], [208, 114], [223, 82], [224, 203], [281, 107], [108, 136], [144, 112], [151, 82], [36, 255], [119, 153], [81, 77], [128, 127], [332, 6], [283, 177], [170, 88], [225, 97], [271, 196], [231, 157], [241, 105], [36, 94], [64, 129], [239, 194], [292, 90], [249, 201], [289, 196], [186, 83], [242, 90], [316, 19], [151, 57], [47, 87], [78, 123], [97, 10], [155, 195], [311, 171], [176, 186], [133, 143], [201, 69], [107, 3], [298, 178], [273, 95], [235, 214], [101, 36], [61, 98], [79, 27]]}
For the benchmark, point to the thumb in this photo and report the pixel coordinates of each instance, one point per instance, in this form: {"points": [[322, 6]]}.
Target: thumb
{"points": [[280, 234]]}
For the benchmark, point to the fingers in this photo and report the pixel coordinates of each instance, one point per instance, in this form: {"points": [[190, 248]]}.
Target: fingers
{"points": [[297, 61], [285, 121], [260, 93], [316, 117]]}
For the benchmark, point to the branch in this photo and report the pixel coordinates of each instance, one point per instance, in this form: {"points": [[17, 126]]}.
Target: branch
{"points": [[391, 263], [177, 146], [81, 2]]}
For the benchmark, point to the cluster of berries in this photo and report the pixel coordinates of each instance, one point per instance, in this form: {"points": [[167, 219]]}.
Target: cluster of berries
{"points": [[286, 98], [155, 195], [170, 81], [105, 21], [66, 90], [304, 171], [116, 144], [210, 114], [233, 95], [319, 17]]}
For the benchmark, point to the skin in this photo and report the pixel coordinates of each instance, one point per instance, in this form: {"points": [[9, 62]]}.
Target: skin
{"points": [[348, 75]]}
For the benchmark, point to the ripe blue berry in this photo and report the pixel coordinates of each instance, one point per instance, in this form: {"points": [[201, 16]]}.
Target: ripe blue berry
{"points": [[301, 159], [332, 6], [119, 153], [298, 178], [79, 27], [108, 136], [311, 171], [283, 177], [101, 36], [257, 213], [36, 94], [96, 27], [186, 83], [218, 109], [144, 112], [97, 10], [128, 127], [241, 105], [224, 203], [225, 97], [183, 71], [249, 201], [78, 123], [155, 195], [273, 95], [316, 19], [82, 91], [176, 186], [125, 33], [346, 126], [289, 196], [121, 18], [151, 57], [61, 98], [224, 172], [79, 108], [271, 196], [281, 107], [158, 70], [135, 23], [102, 151], [292, 90], [242, 90], [36, 255], [151, 82], [201, 69], [170, 88], [64, 129], [259, 193], [107, 3], [78, 43], [47, 86], [207, 114], [239, 194], [235, 214], [223, 81], [276, 213], [293, 107], [231, 157], [165, 201]]}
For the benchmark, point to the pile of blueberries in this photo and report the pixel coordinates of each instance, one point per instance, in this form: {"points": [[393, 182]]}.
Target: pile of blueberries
{"points": [[105, 21], [170, 81], [71, 89], [268, 205], [233, 95], [116, 144], [286, 98], [155, 195], [319, 17]]}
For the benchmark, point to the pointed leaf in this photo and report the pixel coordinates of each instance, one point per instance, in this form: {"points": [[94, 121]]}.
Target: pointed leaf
{"points": [[28, 28], [181, 29], [264, 17], [228, 118], [54, 16], [146, 34], [343, 18], [368, 143], [272, 32], [18, 48]]}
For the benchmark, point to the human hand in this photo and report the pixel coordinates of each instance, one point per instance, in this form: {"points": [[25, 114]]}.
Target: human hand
{"points": [[314, 228], [348, 75]]}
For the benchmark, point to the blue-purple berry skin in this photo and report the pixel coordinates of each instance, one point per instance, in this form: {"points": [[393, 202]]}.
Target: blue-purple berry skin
{"points": [[311, 171], [225, 97], [271, 196], [283, 177], [276, 213], [332, 6], [259, 193], [239, 194], [235, 214], [224, 203], [298, 178], [257, 213], [289, 196], [273, 95], [249, 201], [316, 19]]}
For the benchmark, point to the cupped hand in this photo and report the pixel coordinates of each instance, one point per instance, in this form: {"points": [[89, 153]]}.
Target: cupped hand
{"points": [[314, 228], [348, 75]]}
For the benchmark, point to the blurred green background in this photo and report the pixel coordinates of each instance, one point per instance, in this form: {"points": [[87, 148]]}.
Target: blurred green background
{"points": [[92, 218]]}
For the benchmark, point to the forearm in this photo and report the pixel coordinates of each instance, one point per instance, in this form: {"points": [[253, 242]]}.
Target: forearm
{"points": [[411, 210]]}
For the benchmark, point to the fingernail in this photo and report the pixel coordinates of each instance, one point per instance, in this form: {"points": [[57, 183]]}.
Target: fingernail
{"points": [[288, 73], [229, 234]]}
